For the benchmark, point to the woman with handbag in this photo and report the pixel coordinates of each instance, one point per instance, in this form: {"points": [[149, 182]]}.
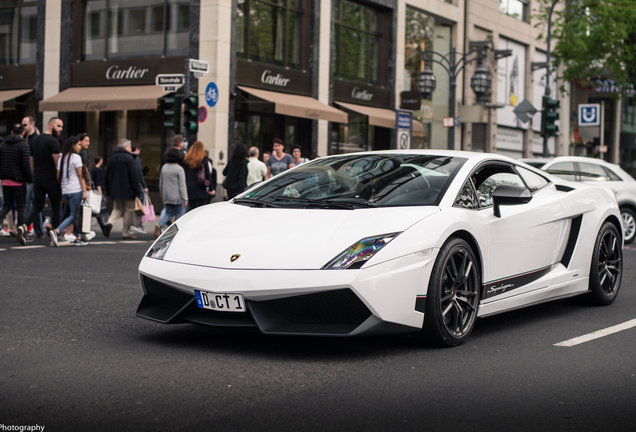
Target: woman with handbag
{"points": [[198, 177], [69, 173]]}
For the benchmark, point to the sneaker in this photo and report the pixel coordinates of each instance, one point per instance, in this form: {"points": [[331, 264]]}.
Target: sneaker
{"points": [[138, 229], [157, 231], [53, 234], [4, 233], [69, 237], [47, 221], [20, 235], [106, 230], [79, 242], [90, 236]]}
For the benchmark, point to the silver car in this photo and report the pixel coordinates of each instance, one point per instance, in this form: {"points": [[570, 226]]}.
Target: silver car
{"points": [[598, 172]]}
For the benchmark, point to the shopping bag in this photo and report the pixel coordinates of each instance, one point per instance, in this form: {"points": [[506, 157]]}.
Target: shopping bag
{"points": [[95, 201], [139, 207], [149, 210], [83, 215], [201, 179]]}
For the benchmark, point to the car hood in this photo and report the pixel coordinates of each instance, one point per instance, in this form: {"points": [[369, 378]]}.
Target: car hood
{"points": [[272, 238]]}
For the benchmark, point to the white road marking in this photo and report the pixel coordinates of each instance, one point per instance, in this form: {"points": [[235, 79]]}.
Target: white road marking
{"points": [[28, 247], [598, 334]]}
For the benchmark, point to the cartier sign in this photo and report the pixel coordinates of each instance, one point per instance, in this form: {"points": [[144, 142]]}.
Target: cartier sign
{"points": [[123, 72], [274, 78], [132, 72], [364, 94]]}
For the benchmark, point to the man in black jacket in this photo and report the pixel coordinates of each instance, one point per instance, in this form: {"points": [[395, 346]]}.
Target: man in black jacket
{"points": [[15, 172], [122, 185]]}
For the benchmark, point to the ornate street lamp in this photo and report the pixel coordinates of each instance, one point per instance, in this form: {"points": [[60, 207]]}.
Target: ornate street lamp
{"points": [[426, 82], [480, 82]]}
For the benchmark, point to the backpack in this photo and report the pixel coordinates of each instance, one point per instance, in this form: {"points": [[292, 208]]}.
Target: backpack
{"points": [[201, 179]]}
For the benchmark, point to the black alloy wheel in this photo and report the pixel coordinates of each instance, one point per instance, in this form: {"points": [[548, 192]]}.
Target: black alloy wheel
{"points": [[607, 265], [453, 295]]}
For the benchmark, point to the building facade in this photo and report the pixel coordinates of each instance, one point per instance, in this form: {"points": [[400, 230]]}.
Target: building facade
{"points": [[326, 75]]}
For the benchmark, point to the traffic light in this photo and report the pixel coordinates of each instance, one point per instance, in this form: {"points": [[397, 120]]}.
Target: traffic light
{"points": [[191, 113], [549, 116], [172, 113]]}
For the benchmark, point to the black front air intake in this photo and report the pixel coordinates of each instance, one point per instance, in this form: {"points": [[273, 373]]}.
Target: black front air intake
{"points": [[332, 312]]}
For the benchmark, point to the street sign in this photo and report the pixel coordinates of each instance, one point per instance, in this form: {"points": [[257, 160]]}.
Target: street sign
{"points": [[589, 115], [170, 80], [211, 94], [198, 66], [403, 129], [203, 114], [524, 111]]}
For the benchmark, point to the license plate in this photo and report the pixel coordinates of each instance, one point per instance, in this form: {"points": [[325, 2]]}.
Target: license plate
{"points": [[222, 302]]}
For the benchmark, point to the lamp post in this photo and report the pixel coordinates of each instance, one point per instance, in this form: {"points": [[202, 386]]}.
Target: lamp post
{"points": [[454, 63]]}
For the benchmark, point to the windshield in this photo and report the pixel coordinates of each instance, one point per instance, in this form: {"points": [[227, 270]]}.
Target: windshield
{"points": [[359, 181]]}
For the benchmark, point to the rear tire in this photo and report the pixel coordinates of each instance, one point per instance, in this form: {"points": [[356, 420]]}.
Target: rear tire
{"points": [[607, 266], [453, 294], [629, 224]]}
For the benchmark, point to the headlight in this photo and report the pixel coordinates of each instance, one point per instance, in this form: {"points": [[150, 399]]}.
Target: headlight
{"points": [[358, 254], [159, 249]]}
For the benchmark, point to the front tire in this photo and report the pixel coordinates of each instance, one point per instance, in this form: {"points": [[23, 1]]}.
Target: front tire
{"points": [[453, 295], [607, 265], [629, 224]]}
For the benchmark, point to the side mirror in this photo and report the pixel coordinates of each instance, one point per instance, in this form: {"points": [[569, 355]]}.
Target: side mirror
{"points": [[509, 195]]}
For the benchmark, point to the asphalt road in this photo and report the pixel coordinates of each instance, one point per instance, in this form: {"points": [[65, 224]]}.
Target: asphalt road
{"points": [[73, 357]]}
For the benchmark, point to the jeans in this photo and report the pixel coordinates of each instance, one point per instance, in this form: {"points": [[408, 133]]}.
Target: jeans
{"points": [[11, 194], [176, 210], [73, 200], [37, 222]]}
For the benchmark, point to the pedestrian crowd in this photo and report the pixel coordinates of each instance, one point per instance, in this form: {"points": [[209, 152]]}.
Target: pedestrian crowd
{"points": [[34, 166]]}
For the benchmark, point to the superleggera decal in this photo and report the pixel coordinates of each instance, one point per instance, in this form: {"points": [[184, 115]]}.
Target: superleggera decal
{"points": [[507, 284]]}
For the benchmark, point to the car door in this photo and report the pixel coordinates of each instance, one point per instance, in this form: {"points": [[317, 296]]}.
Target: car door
{"points": [[523, 244]]}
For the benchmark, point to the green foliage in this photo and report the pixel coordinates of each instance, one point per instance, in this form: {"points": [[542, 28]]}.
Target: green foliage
{"points": [[593, 38]]}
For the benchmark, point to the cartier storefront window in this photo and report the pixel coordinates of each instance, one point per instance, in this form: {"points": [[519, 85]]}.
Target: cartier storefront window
{"points": [[274, 32], [18, 31], [359, 42], [117, 29], [425, 32]]}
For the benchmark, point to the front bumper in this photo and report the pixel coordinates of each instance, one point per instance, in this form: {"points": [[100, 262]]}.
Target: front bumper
{"points": [[377, 300]]}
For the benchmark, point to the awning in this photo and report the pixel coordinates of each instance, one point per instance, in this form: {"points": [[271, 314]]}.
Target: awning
{"points": [[377, 116], [7, 95], [299, 106], [105, 99]]}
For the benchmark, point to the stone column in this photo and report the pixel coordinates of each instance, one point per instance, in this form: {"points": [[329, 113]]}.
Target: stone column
{"points": [[324, 67], [215, 37], [52, 32]]}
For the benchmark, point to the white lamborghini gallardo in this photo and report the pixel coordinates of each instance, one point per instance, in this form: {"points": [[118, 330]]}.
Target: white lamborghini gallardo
{"points": [[422, 241]]}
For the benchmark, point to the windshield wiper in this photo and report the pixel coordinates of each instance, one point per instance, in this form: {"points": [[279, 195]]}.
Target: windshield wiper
{"points": [[349, 204], [327, 203], [255, 202]]}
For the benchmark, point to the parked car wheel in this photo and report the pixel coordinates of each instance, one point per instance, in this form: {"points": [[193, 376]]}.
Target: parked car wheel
{"points": [[629, 224]]}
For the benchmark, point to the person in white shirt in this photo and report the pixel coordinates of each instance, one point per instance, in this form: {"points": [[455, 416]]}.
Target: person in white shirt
{"points": [[256, 170], [69, 169]]}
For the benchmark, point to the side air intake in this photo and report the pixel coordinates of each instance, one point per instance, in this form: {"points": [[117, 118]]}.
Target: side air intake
{"points": [[575, 228]]}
